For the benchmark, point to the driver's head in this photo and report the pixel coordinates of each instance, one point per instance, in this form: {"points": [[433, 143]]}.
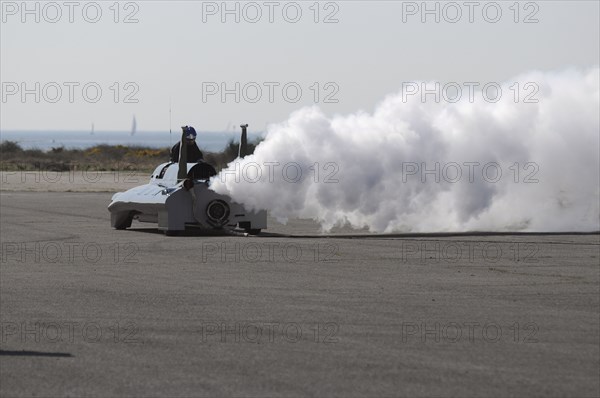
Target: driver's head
{"points": [[190, 134]]}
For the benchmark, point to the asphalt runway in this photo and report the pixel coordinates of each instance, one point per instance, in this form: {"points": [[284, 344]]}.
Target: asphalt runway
{"points": [[90, 311]]}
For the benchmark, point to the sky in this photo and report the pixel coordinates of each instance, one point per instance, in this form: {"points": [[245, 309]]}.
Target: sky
{"points": [[66, 65]]}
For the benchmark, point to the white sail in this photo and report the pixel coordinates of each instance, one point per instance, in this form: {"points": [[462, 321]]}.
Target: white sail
{"points": [[133, 126]]}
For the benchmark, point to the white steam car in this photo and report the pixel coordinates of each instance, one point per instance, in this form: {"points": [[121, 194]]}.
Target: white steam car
{"points": [[178, 194]]}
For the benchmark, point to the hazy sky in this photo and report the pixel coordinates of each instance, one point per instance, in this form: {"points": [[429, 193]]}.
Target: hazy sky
{"points": [[181, 52]]}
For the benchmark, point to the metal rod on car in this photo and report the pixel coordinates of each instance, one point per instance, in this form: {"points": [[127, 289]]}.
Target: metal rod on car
{"points": [[243, 150], [182, 172]]}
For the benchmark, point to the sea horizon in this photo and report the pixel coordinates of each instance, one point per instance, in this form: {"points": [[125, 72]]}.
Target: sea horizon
{"points": [[45, 140]]}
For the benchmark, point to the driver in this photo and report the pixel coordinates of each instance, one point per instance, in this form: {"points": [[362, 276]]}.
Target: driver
{"points": [[194, 154]]}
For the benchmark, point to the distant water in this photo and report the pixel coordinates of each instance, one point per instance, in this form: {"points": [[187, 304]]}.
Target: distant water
{"points": [[46, 140]]}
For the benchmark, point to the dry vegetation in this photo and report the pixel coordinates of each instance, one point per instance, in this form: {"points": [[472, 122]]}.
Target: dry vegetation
{"points": [[101, 157]]}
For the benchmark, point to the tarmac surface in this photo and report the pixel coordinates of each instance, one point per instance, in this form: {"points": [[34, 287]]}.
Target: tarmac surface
{"points": [[86, 310]]}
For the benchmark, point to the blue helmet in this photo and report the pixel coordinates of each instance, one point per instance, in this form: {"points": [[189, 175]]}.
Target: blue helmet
{"points": [[190, 132]]}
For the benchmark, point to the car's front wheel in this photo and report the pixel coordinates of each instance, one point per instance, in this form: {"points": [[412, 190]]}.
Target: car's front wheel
{"points": [[124, 222]]}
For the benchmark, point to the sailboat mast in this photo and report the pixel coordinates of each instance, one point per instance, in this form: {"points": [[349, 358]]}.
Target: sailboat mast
{"points": [[170, 132]]}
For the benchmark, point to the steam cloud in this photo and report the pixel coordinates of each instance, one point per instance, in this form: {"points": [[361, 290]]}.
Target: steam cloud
{"points": [[385, 162]]}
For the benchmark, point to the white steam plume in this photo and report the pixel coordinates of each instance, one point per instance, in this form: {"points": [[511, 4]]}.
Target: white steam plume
{"points": [[380, 160]]}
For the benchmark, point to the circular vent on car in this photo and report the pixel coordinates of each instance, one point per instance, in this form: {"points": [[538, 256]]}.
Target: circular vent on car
{"points": [[217, 212]]}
